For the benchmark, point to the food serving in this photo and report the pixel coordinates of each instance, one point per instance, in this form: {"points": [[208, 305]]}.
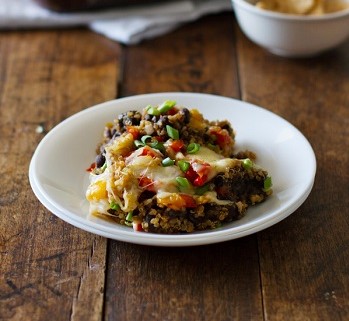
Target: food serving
{"points": [[167, 169], [303, 7]]}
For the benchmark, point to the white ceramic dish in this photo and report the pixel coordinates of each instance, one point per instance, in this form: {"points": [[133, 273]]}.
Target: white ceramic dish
{"points": [[291, 35], [59, 179]]}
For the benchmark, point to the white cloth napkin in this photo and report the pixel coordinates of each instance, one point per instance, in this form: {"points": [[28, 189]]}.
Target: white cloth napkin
{"points": [[127, 25]]}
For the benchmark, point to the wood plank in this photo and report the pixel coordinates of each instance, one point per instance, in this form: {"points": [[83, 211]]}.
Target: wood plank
{"points": [[49, 269], [193, 59], [305, 259], [216, 282]]}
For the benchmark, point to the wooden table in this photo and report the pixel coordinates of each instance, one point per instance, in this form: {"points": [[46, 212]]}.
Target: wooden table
{"points": [[297, 269]]}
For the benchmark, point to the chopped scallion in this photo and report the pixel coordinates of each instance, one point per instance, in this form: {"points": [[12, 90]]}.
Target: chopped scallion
{"points": [[129, 216], [167, 162], [138, 143], [182, 182], [157, 145], [172, 132], [247, 163], [145, 138], [202, 190], [129, 219], [152, 111], [166, 106], [183, 165], [114, 206], [193, 148], [267, 183]]}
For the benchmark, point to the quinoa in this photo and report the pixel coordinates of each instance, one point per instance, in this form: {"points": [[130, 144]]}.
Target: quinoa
{"points": [[167, 169]]}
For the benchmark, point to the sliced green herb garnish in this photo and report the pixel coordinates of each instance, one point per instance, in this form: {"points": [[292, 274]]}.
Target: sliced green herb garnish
{"points": [[138, 143], [247, 163], [167, 162], [268, 183], [114, 206], [157, 145], [193, 148], [166, 106], [151, 110], [129, 219], [104, 166], [172, 132], [182, 182], [218, 224], [129, 216], [202, 190], [183, 165], [145, 138]]}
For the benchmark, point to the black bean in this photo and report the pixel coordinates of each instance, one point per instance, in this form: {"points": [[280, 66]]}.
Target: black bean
{"points": [[163, 121], [228, 128], [108, 133], [186, 114], [115, 133], [100, 160], [148, 117]]}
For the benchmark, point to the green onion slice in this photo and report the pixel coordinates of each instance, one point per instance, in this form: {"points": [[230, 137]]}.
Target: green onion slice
{"points": [[202, 190], [182, 182], [104, 166], [138, 143], [157, 145], [172, 132], [166, 106], [145, 138], [193, 148], [129, 219], [167, 162], [247, 163], [129, 216], [152, 111], [114, 206], [183, 165], [267, 183]]}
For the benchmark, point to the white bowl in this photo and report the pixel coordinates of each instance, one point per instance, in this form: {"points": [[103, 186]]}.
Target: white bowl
{"points": [[291, 35]]}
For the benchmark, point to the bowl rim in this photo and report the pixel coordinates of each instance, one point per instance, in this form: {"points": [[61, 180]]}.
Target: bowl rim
{"points": [[289, 16]]}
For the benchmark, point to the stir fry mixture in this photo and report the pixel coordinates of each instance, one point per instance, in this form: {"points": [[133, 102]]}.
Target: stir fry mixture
{"points": [[169, 170]]}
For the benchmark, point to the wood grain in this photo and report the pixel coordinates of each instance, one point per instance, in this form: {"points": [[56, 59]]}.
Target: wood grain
{"points": [[304, 260], [216, 282], [195, 58], [49, 269]]}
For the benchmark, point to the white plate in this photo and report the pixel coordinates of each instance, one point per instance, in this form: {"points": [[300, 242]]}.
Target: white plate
{"points": [[58, 176]]}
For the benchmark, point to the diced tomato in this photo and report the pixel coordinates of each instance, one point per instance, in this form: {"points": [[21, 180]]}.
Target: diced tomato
{"points": [[137, 227], [197, 173], [133, 130], [91, 168], [176, 145], [223, 138], [188, 200], [191, 174], [172, 111], [200, 180], [146, 183], [147, 151]]}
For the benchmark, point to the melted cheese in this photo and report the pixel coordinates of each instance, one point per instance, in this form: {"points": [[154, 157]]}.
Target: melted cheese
{"points": [[119, 182], [218, 164], [205, 154]]}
